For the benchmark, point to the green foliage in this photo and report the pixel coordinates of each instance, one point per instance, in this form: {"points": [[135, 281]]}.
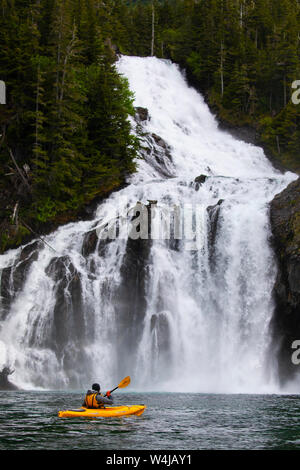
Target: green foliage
{"points": [[11, 237], [66, 121]]}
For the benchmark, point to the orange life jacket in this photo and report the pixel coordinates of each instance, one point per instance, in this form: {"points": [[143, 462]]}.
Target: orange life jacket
{"points": [[91, 400]]}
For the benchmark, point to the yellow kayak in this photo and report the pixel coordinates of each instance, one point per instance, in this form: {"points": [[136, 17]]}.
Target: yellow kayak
{"points": [[111, 411]]}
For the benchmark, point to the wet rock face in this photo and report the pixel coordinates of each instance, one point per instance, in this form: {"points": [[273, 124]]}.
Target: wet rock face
{"points": [[198, 181], [201, 179], [158, 154], [155, 150], [161, 324], [92, 243], [142, 114], [130, 299], [285, 223], [68, 322], [13, 277], [213, 214]]}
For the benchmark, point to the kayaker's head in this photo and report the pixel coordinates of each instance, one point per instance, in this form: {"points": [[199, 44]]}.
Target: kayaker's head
{"points": [[96, 387]]}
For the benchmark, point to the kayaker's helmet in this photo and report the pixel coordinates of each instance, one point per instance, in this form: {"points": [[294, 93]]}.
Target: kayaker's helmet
{"points": [[96, 387]]}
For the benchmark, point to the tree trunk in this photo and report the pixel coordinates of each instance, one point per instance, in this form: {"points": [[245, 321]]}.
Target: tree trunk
{"points": [[278, 146], [241, 15], [284, 90], [69, 51], [37, 102], [153, 31]]}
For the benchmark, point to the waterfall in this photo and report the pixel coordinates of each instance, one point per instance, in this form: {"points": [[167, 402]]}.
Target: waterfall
{"points": [[190, 312]]}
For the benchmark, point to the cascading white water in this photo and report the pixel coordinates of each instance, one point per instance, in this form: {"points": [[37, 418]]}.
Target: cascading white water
{"points": [[205, 309]]}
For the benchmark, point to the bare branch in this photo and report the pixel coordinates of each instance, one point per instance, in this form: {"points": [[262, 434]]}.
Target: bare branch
{"points": [[19, 169]]}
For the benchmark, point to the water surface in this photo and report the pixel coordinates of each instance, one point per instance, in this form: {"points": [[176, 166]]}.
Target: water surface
{"points": [[28, 420]]}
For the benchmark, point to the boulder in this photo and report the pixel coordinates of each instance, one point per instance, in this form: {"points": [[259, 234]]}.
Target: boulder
{"points": [[5, 384], [198, 181], [142, 114]]}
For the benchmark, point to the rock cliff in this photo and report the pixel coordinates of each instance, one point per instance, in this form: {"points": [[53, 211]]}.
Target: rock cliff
{"points": [[285, 223]]}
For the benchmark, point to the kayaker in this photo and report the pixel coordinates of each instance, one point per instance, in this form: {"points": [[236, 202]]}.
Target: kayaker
{"points": [[94, 399]]}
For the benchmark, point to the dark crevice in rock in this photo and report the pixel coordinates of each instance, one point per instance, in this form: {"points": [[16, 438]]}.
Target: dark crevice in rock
{"points": [[213, 214]]}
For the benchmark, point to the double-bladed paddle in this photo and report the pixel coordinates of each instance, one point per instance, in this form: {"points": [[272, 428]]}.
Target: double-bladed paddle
{"points": [[124, 383]]}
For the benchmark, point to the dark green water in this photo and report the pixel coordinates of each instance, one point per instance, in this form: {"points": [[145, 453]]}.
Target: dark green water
{"points": [[28, 420]]}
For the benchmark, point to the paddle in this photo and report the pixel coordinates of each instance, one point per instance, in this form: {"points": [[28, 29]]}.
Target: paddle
{"points": [[122, 384]]}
